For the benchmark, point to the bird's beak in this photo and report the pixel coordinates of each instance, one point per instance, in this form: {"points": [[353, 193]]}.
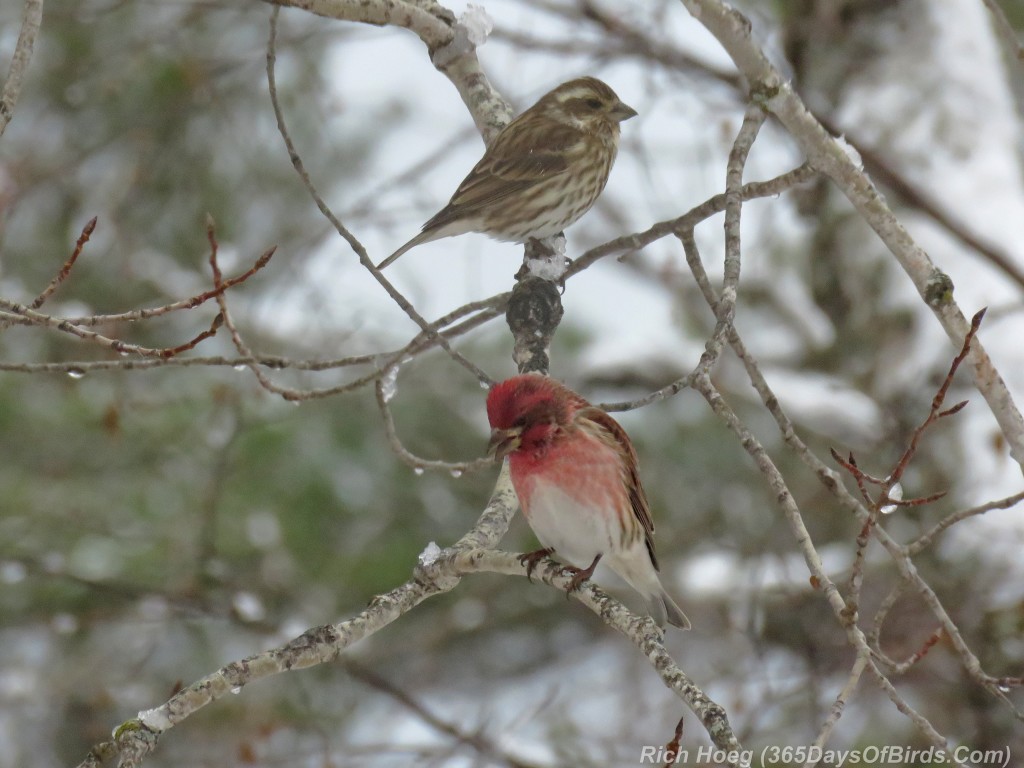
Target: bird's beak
{"points": [[622, 112], [503, 442]]}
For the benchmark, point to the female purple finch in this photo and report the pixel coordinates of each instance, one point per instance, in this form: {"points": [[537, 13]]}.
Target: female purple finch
{"points": [[541, 173], [575, 473]]}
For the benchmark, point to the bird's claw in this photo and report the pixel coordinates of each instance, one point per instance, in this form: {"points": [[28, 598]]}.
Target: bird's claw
{"points": [[530, 560], [579, 575]]}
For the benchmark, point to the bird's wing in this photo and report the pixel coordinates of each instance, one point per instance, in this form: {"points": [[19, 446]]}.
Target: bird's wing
{"points": [[515, 161], [619, 440]]}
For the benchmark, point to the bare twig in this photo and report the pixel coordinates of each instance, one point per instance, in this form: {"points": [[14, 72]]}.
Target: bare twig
{"points": [[938, 400], [456, 468], [690, 219], [475, 739], [886, 497], [65, 270], [341, 229], [831, 481], [671, 754], [845, 612], [190, 303], [32, 18], [836, 710], [827, 154], [62, 325], [875, 635], [236, 338], [926, 538]]}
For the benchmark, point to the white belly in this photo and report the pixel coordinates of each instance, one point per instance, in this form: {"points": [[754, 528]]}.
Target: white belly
{"points": [[578, 532]]}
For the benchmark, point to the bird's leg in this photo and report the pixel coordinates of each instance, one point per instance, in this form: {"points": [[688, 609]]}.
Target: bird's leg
{"points": [[579, 575], [530, 560]]}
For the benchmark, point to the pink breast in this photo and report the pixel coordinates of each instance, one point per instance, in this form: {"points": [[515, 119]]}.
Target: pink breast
{"points": [[582, 466]]}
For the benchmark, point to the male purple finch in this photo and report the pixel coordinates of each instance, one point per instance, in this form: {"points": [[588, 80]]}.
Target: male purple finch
{"points": [[575, 473]]}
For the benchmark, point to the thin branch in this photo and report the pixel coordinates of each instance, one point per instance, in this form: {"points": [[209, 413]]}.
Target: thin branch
{"points": [[456, 468], [683, 228], [31, 19], [65, 270], [903, 667], [836, 710], [62, 325], [857, 569], [484, 746], [690, 219], [433, 29], [828, 155], [845, 613], [354, 243], [753, 119], [875, 635], [190, 303], [926, 539], [832, 482], [922, 723], [936, 412]]}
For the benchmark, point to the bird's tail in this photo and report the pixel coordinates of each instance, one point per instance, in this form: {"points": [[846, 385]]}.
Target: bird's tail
{"points": [[663, 608], [397, 253], [423, 237]]}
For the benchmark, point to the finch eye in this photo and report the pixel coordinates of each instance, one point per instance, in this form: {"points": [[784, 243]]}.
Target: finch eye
{"points": [[594, 103]]}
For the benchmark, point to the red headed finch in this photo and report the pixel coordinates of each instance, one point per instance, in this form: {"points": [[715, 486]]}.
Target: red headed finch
{"points": [[575, 473], [541, 173]]}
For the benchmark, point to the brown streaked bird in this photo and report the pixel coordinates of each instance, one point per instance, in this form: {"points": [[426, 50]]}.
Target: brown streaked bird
{"points": [[541, 173]]}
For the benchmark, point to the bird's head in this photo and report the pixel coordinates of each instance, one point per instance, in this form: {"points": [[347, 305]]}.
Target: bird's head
{"points": [[586, 103], [526, 412]]}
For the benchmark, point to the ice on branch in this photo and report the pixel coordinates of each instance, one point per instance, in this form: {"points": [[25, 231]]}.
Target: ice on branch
{"points": [[549, 267], [430, 554], [477, 23], [155, 719], [472, 30], [389, 383], [896, 494]]}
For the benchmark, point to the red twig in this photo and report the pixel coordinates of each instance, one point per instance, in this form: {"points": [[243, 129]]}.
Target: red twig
{"points": [[223, 285], [262, 379], [671, 754], [921, 652], [218, 321], [83, 238], [211, 238], [850, 465], [935, 413]]}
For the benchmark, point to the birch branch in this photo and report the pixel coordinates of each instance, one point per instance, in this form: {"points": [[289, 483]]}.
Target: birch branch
{"points": [[829, 155]]}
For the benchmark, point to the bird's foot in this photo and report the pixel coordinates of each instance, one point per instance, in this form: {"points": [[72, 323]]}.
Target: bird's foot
{"points": [[530, 560], [579, 575]]}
